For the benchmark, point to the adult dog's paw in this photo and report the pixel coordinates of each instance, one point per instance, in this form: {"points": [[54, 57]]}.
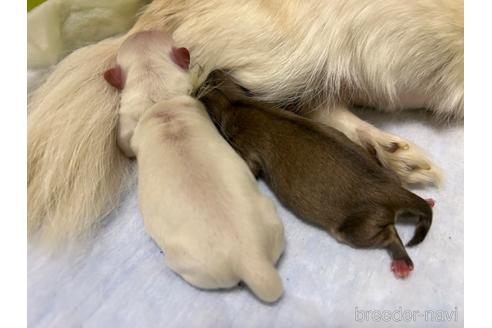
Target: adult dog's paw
{"points": [[407, 160]]}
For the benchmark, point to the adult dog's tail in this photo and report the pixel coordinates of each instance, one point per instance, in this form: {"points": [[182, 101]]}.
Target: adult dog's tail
{"points": [[75, 170]]}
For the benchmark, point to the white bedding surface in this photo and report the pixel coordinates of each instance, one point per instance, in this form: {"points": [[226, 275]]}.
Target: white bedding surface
{"points": [[120, 279]]}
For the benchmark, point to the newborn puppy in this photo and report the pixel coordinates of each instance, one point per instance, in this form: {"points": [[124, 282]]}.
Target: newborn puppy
{"points": [[150, 68], [318, 173], [199, 200]]}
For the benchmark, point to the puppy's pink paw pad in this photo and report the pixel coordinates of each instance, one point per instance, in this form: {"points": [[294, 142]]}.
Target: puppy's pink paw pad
{"points": [[431, 202], [400, 268]]}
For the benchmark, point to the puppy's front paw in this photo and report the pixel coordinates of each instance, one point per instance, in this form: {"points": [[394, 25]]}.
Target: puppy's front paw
{"points": [[402, 157]]}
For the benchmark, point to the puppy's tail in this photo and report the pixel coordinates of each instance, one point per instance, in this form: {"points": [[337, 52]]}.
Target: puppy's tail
{"points": [[263, 279], [414, 204]]}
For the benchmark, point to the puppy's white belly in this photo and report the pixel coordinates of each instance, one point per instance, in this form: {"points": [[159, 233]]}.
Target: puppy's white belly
{"points": [[199, 200]]}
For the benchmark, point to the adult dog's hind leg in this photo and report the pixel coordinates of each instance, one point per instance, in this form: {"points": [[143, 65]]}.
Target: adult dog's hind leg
{"points": [[393, 152]]}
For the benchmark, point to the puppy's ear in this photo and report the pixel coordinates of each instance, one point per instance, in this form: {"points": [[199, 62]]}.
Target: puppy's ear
{"points": [[181, 57], [114, 76]]}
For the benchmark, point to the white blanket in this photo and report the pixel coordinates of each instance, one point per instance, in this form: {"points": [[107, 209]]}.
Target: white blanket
{"points": [[120, 279], [57, 27]]}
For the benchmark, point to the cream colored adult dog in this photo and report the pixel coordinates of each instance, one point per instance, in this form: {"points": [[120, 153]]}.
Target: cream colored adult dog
{"points": [[199, 200], [319, 54]]}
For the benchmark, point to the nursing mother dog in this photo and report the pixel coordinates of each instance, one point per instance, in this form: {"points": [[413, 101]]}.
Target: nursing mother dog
{"points": [[322, 56]]}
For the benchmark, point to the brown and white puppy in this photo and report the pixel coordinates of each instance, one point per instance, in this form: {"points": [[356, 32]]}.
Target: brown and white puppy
{"points": [[199, 200], [318, 173]]}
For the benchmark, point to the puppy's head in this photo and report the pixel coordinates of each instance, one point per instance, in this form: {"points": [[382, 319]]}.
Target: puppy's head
{"points": [[222, 82], [151, 62]]}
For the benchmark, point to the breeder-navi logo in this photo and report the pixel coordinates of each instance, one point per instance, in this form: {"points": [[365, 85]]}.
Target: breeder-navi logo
{"points": [[401, 315]]}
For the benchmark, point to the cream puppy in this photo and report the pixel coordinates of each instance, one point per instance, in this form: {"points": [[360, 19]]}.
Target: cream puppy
{"points": [[199, 200], [150, 68]]}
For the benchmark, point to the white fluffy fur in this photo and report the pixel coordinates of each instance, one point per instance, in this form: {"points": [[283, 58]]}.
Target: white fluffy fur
{"points": [[199, 200], [75, 170], [389, 54]]}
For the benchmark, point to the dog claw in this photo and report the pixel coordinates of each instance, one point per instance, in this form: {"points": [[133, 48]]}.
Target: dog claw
{"points": [[410, 163], [402, 157], [393, 147]]}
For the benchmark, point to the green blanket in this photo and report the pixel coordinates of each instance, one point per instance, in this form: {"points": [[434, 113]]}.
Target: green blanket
{"points": [[33, 3]]}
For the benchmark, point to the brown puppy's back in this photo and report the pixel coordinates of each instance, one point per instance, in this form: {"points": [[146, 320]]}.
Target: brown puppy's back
{"points": [[316, 171]]}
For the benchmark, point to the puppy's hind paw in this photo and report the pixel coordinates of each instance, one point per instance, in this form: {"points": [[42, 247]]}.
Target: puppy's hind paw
{"points": [[431, 202], [401, 268]]}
